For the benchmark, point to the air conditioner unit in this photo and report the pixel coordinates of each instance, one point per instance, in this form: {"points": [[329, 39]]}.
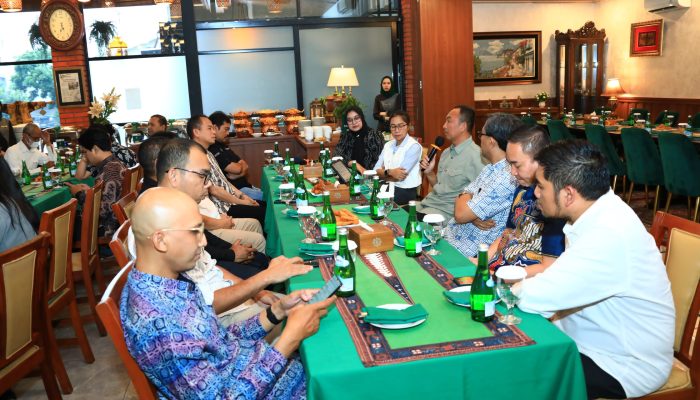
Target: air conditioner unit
{"points": [[657, 6]]}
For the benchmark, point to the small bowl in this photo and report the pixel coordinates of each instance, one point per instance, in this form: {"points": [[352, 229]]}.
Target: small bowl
{"points": [[257, 134]]}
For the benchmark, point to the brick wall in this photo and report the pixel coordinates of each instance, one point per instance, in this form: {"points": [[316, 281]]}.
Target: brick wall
{"points": [[409, 48], [74, 59]]}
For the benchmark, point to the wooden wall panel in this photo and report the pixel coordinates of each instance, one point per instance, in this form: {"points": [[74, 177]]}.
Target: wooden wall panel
{"points": [[446, 62], [657, 105]]}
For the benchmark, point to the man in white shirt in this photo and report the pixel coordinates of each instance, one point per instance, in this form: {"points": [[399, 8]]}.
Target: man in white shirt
{"points": [[608, 290], [28, 150]]}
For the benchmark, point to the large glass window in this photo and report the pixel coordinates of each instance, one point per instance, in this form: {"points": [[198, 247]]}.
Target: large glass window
{"points": [[233, 10], [347, 8], [20, 39]]}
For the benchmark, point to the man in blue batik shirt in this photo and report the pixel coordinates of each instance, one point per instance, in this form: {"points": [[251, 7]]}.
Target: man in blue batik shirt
{"points": [[482, 209]]}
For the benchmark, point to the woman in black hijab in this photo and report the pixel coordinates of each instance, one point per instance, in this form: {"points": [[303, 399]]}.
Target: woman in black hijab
{"points": [[386, 102], [360, 143]]}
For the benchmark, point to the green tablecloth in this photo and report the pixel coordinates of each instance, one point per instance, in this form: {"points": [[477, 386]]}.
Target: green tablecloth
{"points": [[549, 369], [43, 200]]}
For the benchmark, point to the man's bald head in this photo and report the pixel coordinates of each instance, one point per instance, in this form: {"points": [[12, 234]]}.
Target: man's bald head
{"points": [[168, 230], [31, 129]]}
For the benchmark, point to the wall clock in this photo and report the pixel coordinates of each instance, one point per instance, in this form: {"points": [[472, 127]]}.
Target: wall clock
{"points": [[61, 24]]}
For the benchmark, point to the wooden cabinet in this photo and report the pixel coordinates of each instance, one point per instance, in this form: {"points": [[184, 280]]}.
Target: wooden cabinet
{"points": [[252, 151], [580, 66]]}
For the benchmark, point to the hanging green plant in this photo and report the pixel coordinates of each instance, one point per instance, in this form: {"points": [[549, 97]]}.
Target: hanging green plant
{"points": [[36, 40], [102, 33]]}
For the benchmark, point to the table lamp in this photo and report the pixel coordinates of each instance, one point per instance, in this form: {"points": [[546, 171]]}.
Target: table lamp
{"points": [[613, 89], [342, 77]]}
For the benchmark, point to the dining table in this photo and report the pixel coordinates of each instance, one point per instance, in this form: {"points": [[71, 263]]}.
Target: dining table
{"points": [[447, 356], [44, 200]]}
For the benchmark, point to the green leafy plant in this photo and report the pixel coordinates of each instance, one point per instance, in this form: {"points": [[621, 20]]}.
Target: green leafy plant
{"points": [[36, 40], [102, 33], [342, 108]]}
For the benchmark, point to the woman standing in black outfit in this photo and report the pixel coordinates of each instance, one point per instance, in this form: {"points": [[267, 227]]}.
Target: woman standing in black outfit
{"points": [[360, 143], [386, 102]]}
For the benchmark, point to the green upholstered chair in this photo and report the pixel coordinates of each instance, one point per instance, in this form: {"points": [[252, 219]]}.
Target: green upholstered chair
{"points": [[558, 131], [660, 119], [695, 121], [643, 113], [598, 136], [681, 164], [529, 121], [643, 162]]}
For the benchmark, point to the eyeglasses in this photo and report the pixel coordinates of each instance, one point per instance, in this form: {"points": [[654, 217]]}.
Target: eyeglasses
{"points": [[356, 119], [206, 177], [197, 230], [397, 127]]}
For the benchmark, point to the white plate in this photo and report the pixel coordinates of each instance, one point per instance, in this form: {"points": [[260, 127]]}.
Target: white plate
{"points": [[319, 254], [466, 288], [460, 289], [425, 245], [397, 326]]}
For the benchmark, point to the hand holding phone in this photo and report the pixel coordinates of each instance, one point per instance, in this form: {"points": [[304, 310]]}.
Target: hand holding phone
{"points": [[327, 290]]}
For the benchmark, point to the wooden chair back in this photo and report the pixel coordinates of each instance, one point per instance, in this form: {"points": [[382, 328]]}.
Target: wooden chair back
{"points": [[108, 311], [122, 208], [130, 179], [91, 223], [662, 225], [119, 244], [59, 223]]}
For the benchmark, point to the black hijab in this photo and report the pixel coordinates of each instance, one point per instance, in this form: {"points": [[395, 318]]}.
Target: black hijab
{"points": [[392, 91]]}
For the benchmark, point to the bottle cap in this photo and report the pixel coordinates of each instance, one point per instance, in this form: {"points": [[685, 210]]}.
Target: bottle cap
{"points": [[343, 231], [412, 203], [483, 247], [326, 193]]}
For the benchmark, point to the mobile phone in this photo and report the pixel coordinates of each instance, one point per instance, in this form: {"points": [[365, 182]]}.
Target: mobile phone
{"points": [[327, 290], [463, 280]]}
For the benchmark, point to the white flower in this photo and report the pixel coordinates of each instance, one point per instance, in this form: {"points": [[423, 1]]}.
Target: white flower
{"points": [[111, 97], [96, 109]]}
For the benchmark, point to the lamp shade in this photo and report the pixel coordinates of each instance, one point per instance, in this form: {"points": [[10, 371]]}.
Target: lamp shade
{"points": [[11, 5], [613, 88], [342, 77]]}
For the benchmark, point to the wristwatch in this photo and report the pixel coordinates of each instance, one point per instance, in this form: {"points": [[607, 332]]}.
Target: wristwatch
{"points": [[386, 173]]}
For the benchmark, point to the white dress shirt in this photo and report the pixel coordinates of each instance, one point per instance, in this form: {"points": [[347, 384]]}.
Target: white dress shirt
{"points": [[19, 152], [609, 291]]}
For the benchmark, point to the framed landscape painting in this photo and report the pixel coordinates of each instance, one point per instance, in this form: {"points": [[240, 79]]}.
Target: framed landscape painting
{"points": [[645, 38], [507, 58]]}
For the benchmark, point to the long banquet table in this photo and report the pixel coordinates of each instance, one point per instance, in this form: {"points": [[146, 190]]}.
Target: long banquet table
{"points": [[548, 369]]}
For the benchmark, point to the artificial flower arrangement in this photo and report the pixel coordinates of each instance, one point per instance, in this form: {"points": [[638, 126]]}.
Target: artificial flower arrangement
{"points": [[100, 111], [542, 96]]}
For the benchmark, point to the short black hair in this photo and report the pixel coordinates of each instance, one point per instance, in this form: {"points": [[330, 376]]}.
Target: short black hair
{"points": [[466, 115], [161, 119], [531, 138], [219, 118], [175, 154], [165, 134], [500, 126], [95, 136], [195, 122], [400, 113], [148, 153], [578, 164]]}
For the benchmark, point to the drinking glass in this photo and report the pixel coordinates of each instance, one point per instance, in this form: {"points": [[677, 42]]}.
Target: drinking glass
{"points": [[278, 164], [387, 204], [308, 223], [434, 226], [268, 156], [670, 119], [286, 195], [55, 176], [367, 177], [507, 276]]}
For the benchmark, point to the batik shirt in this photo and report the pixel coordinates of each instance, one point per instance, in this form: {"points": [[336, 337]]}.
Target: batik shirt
{"points": [[218, 178], [531, 235], [492, 193], [187, 354]]}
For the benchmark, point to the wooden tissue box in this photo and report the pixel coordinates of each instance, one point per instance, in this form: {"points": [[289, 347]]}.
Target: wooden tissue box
{"points": [[382, 239], [340, 194], [313, 171]]}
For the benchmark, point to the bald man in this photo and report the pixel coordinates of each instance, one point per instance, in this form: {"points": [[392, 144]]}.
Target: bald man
{"points": [[176, 338], [28, 150]]}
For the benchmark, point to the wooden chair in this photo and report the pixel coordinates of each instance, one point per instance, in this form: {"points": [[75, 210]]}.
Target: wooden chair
{"points": [[662, 225], [119, 245], [86, 263], [130, 179], [22, 343], [60, 292], [108, 310], [683, 266], [122, 208]]}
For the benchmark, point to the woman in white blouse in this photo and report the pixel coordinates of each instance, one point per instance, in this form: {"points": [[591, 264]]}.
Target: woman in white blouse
{"points": [[399, 161]]}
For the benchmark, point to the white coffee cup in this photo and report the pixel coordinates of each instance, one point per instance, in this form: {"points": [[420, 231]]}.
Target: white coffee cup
{"points": [[318, 132], [309, 133]]}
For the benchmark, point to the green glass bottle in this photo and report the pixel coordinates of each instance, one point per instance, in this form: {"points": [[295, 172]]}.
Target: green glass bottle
{"points": [[73, 167], [276, 152], [46, 178], [26, 176], [690, 125], [302, 198], [412, 235], [287, 159], [321, 151], [328, 171], [376, 210], [482, 298], [666, 121], [354, 183], [344, 266], [327, 220]]}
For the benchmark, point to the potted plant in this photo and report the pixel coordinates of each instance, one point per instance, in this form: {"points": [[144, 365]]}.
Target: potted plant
{"points": [[341, 109], [36, 40], [542, 99], [102, 33]]}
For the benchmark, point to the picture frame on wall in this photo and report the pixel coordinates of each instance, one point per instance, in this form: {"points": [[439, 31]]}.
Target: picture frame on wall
{"points": [[70, 87], [646, 38], [507, 58]]}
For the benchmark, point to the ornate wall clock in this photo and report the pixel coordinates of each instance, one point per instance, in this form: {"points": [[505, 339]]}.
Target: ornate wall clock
{"points": [[61, 24]]}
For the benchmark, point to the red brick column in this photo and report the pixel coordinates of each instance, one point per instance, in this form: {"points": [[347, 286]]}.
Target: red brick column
{"points": [[75, 59], [409, 47]]}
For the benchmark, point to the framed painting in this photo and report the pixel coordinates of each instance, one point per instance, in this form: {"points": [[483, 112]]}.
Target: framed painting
{"points": [[646, 37], [507, 58], [70, 87]]}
